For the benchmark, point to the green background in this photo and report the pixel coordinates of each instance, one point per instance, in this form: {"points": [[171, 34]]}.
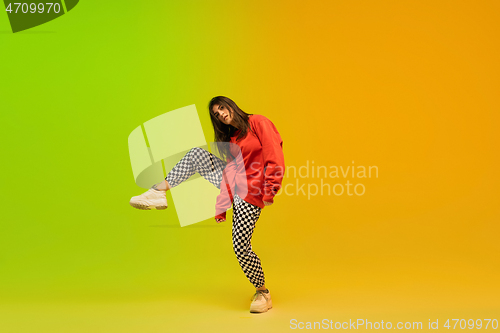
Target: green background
{"points": [[72, 91]]}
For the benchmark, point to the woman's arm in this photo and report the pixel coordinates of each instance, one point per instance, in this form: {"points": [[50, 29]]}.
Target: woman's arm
{"points": [[272, 154], [227, 188]]}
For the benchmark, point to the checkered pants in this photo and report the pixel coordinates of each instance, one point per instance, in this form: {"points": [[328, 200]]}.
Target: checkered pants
{"points": [[245, 215]]}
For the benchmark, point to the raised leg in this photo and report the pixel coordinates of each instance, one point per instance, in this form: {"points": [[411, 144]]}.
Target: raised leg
{"points": [[197, 160]]}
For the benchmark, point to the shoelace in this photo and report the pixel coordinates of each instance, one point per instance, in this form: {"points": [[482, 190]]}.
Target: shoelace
{"points": [[257, 294]]}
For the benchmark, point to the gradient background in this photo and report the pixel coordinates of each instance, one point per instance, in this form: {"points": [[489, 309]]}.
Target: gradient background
{"points": [[411, 87]]}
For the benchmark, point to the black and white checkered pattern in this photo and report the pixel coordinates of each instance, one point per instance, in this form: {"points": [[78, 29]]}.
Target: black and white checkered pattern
{"points": [[245, 215], [198, 160]]}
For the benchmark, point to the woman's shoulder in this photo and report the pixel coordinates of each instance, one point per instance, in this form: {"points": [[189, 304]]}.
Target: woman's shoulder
{"points": [[257, 118], [262, 124]]}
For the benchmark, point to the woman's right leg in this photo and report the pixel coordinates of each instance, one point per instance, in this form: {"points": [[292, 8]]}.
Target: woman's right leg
{"points": [[197, 160]]}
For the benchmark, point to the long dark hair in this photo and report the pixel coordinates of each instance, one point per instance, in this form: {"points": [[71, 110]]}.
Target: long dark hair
{"points": [[223, 132]]}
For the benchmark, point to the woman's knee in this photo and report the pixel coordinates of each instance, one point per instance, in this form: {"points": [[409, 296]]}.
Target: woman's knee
{"points": [[197, 150], [193, 153], [241, 253]]}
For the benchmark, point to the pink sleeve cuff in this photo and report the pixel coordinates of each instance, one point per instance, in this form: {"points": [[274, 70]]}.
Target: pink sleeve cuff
{"points": [[221, 216]]}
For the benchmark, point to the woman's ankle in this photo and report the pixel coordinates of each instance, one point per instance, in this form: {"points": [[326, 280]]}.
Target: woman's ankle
{"points": [[163, 186]]}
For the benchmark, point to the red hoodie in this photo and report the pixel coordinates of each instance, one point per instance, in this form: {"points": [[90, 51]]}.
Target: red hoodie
{"points": [[257, 171]]}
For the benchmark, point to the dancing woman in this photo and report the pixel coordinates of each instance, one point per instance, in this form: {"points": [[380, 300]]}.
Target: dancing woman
{"points": [[249, 175]]}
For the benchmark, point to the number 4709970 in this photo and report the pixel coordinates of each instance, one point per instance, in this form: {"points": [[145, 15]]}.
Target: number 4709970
{"points": [[33, 7], [471, 323]]}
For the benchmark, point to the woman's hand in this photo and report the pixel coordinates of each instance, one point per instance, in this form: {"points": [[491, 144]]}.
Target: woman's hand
{"points": [[267, 203], [220, 220]]}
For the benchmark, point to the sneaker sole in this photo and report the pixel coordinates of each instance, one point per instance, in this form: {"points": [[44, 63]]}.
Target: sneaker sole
{"points": [[146, 207], [261, 310]]}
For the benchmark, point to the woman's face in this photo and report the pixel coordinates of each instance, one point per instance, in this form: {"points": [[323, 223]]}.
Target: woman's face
{"points": [[224, 114]]}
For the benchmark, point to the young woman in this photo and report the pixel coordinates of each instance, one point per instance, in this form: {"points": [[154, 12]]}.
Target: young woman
{"points": [[249, 178]]}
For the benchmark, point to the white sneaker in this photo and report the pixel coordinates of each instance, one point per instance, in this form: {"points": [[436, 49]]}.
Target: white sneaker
{"points": [[261, 302], [150, 199]]}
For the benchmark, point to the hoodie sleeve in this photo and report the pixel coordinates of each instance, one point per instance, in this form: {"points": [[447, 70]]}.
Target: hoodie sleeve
{"points": [[272, 153], [227, 185]]}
